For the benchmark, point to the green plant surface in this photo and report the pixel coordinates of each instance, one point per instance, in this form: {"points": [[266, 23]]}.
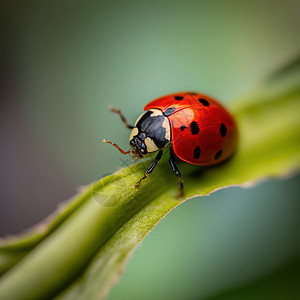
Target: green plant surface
{"points": [[81, 250], [14, 248]]}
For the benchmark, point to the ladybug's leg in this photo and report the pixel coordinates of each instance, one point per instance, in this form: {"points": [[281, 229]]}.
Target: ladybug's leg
{"points": [[151, 167], [115, 145], [176, 172], [118, 111]]}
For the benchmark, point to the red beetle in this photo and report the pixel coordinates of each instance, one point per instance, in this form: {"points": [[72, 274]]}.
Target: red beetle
{"points": [[201, 130]]}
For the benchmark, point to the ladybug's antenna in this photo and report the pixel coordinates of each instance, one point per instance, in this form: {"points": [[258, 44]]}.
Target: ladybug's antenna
{"points": [[115, 145]]}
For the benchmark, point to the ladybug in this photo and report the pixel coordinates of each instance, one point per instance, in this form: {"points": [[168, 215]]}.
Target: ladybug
{"points": [[202, 132]]}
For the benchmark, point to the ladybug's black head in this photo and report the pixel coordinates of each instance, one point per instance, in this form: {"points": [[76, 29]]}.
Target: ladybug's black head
{"points": [[151, 133], [139, 148]]}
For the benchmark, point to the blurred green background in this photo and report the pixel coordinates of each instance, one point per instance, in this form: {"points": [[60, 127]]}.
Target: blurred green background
{"points": [[65, 62]]}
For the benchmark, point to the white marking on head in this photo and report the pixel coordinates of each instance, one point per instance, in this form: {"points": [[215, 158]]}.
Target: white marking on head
{"points": [[156, 112], [133, 133], [166, 125], [151, 147]]}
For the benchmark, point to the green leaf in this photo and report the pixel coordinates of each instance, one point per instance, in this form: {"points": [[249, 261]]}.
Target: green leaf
{"points": [[12, 249], [80, 252]]}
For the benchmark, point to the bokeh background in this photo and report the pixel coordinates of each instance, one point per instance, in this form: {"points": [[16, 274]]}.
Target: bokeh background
{"points": [[65, 62]]}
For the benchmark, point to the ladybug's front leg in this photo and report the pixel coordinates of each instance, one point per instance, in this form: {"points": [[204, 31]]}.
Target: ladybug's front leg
{"points": [[115, 145], [118, 111], [176, 172], [151, 167]]}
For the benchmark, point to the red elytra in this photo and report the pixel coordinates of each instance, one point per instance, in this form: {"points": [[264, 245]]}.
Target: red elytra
{"points": [[203, 132]]}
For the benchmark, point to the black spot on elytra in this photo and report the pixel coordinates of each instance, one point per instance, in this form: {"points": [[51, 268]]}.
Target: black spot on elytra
{"points": [[204, 102], [182, 127], [178, 97], [218, 154], [169, 111], [194, 128], [223, 129], [197, 152]]}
